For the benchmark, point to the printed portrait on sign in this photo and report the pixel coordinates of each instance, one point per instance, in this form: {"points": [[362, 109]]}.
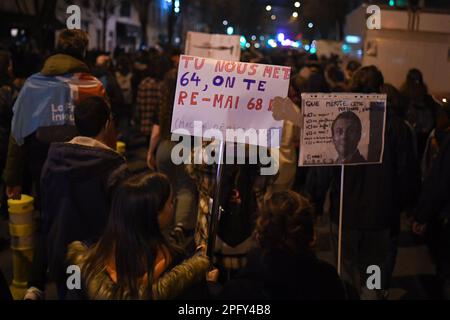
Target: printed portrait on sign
{"points": [[342, 129], [346, 132]]}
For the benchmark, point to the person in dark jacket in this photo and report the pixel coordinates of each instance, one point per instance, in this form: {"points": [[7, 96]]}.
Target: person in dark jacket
{"points": [[5, 293], [436, 138], [433, 212], [421, 107], [396, 107], [7, 93], [43, 112], [284, 266], [374, 195], [77, 182], [6, 100]]}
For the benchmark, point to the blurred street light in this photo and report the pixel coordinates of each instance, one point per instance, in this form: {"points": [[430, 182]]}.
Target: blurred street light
{"points": [[225, 22], [273, 17], [353, 39], [280, 37], [230, 30], [268, 8], [310, 25], [295, 14], [272, 43], [297, 4]]}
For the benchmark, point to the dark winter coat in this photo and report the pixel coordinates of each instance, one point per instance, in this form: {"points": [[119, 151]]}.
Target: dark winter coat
{"points": [[77, 185], [278, 275], [434, 201], [6, 103]]}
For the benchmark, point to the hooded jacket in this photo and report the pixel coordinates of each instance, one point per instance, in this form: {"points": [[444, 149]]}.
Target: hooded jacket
{"points": [[77, 184]]}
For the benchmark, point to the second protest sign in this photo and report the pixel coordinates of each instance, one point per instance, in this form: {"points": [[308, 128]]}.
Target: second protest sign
{"points": [[342, 129]]}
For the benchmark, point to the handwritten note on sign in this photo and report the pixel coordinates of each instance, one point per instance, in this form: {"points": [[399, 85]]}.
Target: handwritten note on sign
{"points": [[342, 129], [227, 95]]}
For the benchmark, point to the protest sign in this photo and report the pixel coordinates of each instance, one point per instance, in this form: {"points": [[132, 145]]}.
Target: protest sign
{"points": [[225, 95], [215, 46], [342, 129]]}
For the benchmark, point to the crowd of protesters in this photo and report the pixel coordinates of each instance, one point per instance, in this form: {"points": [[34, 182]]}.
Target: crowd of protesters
{"points": [[145, 236]]}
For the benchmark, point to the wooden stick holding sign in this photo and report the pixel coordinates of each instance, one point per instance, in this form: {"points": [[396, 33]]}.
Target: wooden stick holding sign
{"points": [[342, 129], [341, 215], [216, 209], [231, 102]]}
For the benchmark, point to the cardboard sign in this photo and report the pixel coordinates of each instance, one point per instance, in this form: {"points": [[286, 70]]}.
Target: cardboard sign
{"points": [[225, 95], [342, 129], [215, 46]]}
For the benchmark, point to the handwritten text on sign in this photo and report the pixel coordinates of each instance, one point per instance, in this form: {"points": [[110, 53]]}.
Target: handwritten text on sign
{"points": [[227, 95]]}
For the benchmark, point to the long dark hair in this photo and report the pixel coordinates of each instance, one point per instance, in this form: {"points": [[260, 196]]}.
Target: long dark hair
{"points": [[414, 86], [133, 236]]}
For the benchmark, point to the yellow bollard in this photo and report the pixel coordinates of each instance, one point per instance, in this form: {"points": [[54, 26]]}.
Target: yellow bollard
{"points": [[21, 228], [121, 147]]}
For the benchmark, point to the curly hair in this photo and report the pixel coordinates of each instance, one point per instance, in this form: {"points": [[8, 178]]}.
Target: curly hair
{"points": [[286, 223]]}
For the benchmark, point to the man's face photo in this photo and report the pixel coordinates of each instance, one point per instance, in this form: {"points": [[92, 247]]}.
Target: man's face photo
{"points": [[346, 131]]}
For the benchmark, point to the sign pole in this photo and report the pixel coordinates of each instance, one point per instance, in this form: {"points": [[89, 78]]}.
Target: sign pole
{"points": [[214, 218], [341, 206]]}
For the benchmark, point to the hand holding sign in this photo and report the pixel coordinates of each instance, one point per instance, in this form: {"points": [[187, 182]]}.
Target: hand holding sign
{"points": [[284, 109]]}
